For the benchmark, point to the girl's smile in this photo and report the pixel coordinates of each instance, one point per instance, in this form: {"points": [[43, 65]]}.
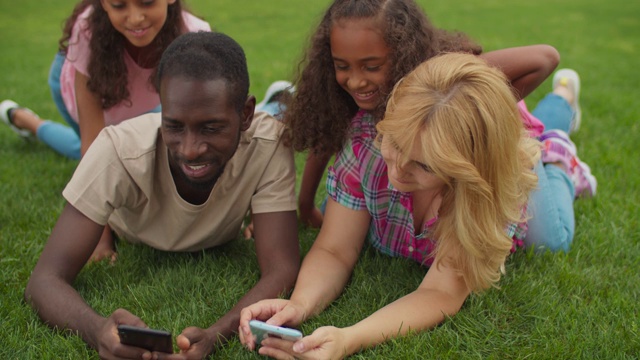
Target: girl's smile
{"points": [[138, 21], [365, 97], [360, 58], [138, 33]]}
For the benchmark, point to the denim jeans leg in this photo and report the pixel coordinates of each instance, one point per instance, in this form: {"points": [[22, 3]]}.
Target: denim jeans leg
{"points": [[63, 139], [56, 94], [554, 112], [60, 138], [552, 222]]}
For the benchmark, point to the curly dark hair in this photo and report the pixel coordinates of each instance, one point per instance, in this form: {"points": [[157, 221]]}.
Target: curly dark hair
{"points": [[319, 114], [107, 69]]}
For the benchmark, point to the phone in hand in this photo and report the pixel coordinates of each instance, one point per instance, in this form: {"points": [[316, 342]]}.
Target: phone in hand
{"points": [[262, 330], [150, 339]]}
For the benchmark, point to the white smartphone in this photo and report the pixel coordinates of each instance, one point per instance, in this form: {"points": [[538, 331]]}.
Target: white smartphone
{"points": [[262, 330]]}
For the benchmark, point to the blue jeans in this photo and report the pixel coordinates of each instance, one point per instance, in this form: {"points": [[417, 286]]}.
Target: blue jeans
{"points": [[552, 225], [63, 139]]}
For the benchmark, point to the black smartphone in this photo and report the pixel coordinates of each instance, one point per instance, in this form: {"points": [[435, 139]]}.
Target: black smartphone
{"points": [[150, 339]]}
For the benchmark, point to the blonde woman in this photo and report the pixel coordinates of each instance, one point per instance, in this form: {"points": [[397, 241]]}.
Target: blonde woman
{"points": [[445, 183]]}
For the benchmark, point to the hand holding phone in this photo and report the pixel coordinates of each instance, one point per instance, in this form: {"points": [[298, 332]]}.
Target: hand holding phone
{"points": [[262, 330], [150, 339]]}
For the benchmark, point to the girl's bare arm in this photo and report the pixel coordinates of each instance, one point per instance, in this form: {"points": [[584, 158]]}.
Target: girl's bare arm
{"points": [[526, 66]]}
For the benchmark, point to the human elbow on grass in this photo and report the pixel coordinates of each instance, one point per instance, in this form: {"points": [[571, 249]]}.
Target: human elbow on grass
{"points": [[451, 131], [153, 180]]}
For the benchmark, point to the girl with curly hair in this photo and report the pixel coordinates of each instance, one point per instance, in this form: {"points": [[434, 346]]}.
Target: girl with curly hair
{"points": [[103, 74], [331, 87], [443, 179]]}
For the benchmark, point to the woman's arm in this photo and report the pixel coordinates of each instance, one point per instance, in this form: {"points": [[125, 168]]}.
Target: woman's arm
{"points": [[277, 249], [324, 273], [441, 294], [526, 66], [328, 265], [90, 113]]}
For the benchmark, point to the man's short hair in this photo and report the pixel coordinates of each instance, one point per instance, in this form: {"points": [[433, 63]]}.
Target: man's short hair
{"points": [[207, 56]]}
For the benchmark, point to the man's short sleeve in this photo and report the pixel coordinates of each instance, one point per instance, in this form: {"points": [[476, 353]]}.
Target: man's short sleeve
{"points": [[99, 184], [276, 189]]}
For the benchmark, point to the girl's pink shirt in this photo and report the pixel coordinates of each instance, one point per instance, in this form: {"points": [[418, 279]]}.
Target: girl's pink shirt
{"points": [[534, 126], [143, 97]]}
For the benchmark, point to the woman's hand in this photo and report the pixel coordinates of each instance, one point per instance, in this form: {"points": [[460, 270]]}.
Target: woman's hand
{"points": [[273, 311], [327, 342]]}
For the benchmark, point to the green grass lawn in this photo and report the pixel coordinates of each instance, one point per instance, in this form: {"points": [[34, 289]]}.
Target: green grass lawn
{"points": [[583, 304]]}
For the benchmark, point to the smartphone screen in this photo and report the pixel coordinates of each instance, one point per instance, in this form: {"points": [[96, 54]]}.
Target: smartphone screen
{"points": [[150, 339]]}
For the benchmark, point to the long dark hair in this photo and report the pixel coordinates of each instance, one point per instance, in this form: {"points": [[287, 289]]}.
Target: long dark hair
{"points": [[107, 69], [319, 114]]}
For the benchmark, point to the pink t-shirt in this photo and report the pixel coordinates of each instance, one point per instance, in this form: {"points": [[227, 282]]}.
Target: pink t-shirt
{"points": [[142, 94], [534, 126]]}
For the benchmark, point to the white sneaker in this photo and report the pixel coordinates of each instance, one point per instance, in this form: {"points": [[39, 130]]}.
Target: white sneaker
{"points": [[7, 105], [274, 89], [570, 79]]}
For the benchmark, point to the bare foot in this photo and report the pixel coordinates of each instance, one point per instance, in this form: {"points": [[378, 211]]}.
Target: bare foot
{"points": [[248, 231], [26, 119], [105, 248], [565, 90]]}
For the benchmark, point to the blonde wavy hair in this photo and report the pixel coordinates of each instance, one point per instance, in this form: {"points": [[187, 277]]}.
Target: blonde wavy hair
{"points": [[465, 116]]}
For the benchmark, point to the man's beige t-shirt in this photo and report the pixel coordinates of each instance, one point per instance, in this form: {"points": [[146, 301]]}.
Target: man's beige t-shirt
{"points": [[124, 180]]}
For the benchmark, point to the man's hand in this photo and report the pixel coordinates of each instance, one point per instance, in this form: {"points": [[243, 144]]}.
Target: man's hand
{"points": [[248, 230], [105, 248], [194, 343], [108, 342]]}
